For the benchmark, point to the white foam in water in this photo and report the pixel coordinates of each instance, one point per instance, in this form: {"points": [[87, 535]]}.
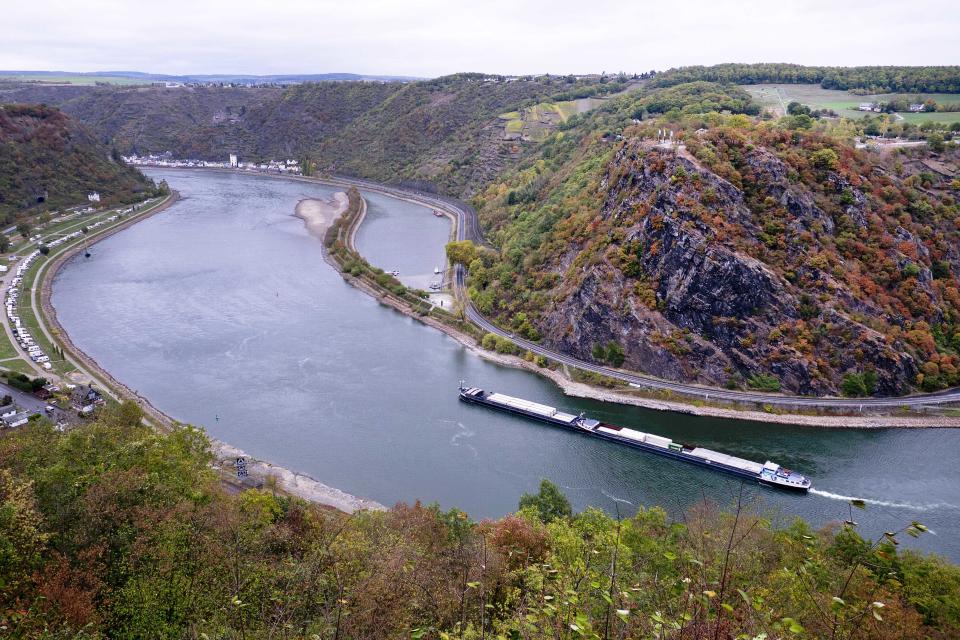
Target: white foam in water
{"points": [[884, 503], [616, 499]]}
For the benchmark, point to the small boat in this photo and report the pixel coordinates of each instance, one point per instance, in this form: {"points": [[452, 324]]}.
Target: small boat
{"points": [[436, 270], [437, 213], [395, 273]]}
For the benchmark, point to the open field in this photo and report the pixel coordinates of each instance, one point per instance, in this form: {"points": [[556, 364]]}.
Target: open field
{"points": [[778, 96], [7, 350], [538, 121], [948, 117], [71, 79], [18, 365]]}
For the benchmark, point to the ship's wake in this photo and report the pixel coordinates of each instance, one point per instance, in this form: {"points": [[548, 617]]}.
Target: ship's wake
{"points": [[616, 499], [464, 433], [885, 503]]}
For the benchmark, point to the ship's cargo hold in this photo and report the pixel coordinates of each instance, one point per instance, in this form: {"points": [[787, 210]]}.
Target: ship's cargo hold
{"points": [[658, 441]]}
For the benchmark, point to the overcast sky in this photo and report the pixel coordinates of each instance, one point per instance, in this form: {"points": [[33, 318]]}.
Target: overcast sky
{"points": [[436, 37]]}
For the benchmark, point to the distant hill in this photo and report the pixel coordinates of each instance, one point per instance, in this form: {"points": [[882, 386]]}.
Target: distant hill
{"points": [[48, 161], [133, 77], [445, 132], [874, 79]]}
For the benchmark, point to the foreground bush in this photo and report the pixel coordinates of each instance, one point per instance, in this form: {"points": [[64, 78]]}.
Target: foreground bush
{"points": [[115, 531]]}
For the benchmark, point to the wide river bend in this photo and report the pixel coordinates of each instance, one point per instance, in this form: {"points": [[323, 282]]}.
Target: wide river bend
{"points": [[222, 311]]}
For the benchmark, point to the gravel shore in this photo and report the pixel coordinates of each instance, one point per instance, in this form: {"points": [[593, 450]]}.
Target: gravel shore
{"points": [[320, 214]]}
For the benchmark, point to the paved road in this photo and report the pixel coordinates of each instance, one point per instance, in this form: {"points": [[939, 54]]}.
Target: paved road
{"points": [[31, 404], [468, 228]]}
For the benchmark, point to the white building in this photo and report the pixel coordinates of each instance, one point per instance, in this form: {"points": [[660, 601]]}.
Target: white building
{"points": [[233, 160], [93, 196]]}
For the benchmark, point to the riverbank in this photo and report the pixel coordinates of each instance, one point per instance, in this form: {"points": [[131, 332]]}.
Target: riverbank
{"points": [[469, 335], [290, 482], [578, 389], [581, 390]]}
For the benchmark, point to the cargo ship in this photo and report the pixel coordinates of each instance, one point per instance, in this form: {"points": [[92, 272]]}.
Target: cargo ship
{"points": [[768, 473]]}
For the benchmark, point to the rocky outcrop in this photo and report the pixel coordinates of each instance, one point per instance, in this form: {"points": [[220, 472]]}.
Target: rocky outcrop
{"points": [[687, 305]]}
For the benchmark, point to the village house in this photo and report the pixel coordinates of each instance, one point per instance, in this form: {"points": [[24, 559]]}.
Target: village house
{"points": [[84, 398], [16, 420], [916, 108]]}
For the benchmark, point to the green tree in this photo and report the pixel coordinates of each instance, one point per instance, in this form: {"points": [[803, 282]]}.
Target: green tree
{"points": [[825, 159], [936, 143], [853, 385], [23, 229], [22, 540], [549, 504], [763, 382], [615, 354], [461, 252]]}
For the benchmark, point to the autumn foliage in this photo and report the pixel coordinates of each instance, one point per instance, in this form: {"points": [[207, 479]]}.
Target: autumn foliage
{"points": [[114, 531]]}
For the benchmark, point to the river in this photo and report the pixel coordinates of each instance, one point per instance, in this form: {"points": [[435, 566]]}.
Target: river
{"points": [[222, 311]]}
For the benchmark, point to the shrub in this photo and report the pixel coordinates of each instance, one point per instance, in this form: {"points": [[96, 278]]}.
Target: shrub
{"points": [[763, 382], [825, 159], [857, 385], [610, 353], [504, 345], [549, 504]]}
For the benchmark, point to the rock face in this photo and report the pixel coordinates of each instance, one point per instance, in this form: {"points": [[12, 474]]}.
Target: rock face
{"points": [[689, 302]]}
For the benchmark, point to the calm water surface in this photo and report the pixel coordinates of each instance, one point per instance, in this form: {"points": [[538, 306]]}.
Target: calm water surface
{"points": [[222, 306]]}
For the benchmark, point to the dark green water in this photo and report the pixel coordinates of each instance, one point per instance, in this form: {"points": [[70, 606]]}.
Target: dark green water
{"points": [[223, 306]]}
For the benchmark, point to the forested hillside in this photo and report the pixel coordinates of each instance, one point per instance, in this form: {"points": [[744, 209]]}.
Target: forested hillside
{"points": [[48, 161], [443, 131], [762, 254], [113, 530], [940, 79]]}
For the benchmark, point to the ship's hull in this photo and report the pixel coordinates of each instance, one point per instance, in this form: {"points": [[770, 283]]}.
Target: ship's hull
{"points": [[660, 451]]}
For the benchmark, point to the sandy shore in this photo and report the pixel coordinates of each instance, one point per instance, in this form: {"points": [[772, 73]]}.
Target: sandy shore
{"points": [[296, 484], [320, 214]]}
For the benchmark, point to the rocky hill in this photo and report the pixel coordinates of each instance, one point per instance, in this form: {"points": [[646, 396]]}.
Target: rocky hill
{"points": [[754, 255], [48, 161]]}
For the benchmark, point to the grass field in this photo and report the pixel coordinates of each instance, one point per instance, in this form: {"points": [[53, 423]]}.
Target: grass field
{"points": [[18, 365], [71, 79], [7, 350], [946, 117], [538, 121], [778, 96]]}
